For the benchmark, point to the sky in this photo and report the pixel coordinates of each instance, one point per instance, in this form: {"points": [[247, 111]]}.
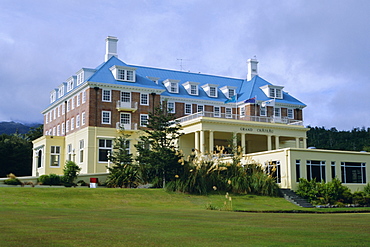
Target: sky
{"points": [[319, 50]]}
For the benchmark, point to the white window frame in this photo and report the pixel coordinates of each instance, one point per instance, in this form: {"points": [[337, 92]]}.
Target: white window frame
{"points": [[63, 129], [78, 121], [67, 126], [106, 117], [171, 107], [193, 89], [188, 109], [81, 151], [231, 92], [106, 95], [144, 99], [125, 96], [78, 99], [144, 120], [263, 111], [228, 112], [217, 111], [83, 96], [54, 152], [83, 118], [72, 123], [213, 91], [122, 73], [200, 108], [105, 145], [277, 112], [290, 113]]}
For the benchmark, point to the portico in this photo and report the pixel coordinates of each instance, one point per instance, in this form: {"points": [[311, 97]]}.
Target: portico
{"points": [[205, 133]]}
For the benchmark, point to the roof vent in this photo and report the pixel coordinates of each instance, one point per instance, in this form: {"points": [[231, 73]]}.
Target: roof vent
{"points": [[110, 47]]}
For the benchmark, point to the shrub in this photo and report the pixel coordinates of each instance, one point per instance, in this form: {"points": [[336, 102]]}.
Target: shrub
{"points": [[367, 189], [51, 179], [71, 171], [12, 180]]}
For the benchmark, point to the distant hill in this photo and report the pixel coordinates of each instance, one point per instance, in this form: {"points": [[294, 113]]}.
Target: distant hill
{"points": [[13, 127]]}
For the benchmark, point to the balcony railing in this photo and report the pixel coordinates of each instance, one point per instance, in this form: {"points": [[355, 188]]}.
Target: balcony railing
{"points": [[126, 106], [130, 126], [282, 120]]}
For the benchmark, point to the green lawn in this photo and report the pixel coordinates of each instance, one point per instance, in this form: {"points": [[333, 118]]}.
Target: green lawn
{"points": [[152, 217]]}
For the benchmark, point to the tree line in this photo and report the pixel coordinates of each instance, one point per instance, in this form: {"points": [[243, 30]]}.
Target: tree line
{"points": [[357, 139]]}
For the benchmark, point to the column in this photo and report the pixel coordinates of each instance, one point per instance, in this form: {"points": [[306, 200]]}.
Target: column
{"points": [[277, 142], [243, 143], [297, 140], [304, 142], [269, 141], [211, 142], [196, 140], [202, 144]]}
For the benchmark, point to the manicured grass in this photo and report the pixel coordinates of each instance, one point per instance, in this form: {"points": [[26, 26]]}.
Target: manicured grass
{"points": [[152, 217]]}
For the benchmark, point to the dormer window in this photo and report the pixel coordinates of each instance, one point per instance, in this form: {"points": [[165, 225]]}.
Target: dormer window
{"points": [[210, 89], [53, 95], [154, 79], [172, 85], [122, 73], [228, 91], [71, 83], [61, 90], [191, 87], [80, 77], [274, 92]]}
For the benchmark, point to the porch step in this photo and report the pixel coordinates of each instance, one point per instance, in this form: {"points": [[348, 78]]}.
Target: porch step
{"points": [[292, 197]]}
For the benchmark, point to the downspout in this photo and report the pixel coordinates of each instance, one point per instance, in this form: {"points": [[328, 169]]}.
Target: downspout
{"points": [[95, 128]]}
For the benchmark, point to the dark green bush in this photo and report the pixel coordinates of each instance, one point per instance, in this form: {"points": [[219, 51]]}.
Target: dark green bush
{"points": [[12, 181], [51, 179]]}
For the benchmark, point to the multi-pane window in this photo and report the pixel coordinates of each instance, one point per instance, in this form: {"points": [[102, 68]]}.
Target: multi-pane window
{"points": [[316, 169], [290, 113], [105, 117], [73, 103], [78, 121], [333, 169], [54, 114], [54, 131], [46, 118], [67, 126], [63, 128], [78, 99], [82, 146], [263, 111], [107, 95], [228, 112], [58, 130], [80, 78], [212, 92], [217, 111], [143, 119], [105, 148], [242, 111], [173, 87], [69, 152], [54, 156], [273, 169], [144, 99], [125, 118], [63, 109], [277, 112], [200, 108], [171, 107], [231, 92], [83, 118], [72, 123], [69, 85], [84, 96], [68, 105], [125, 75], [275, 93], [194, 89], [125, 96], [297, 170], [188, 109], [58, 111], [353, 172]]}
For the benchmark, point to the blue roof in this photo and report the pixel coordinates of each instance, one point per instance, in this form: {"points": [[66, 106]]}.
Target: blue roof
{"points": [[245, 89]]}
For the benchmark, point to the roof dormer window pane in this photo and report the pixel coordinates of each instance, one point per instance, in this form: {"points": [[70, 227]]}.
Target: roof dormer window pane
{"points": [[193, 89], [212, 91], [121, 74], [130, 75], [173, 87], [278, 93], [231, 92]]}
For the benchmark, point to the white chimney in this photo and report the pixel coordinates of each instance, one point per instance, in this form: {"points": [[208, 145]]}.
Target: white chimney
{"points": [[252, 68], [110, 47]]}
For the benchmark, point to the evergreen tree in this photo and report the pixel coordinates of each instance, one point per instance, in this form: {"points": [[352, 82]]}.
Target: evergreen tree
{"points": [[158, 157], [123, 173]]}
